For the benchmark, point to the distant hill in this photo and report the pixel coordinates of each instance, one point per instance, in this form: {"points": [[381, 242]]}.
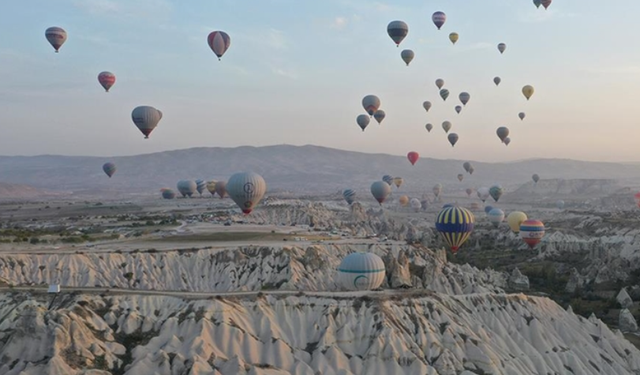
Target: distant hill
{"points": [[300, 169], [13, 191]]}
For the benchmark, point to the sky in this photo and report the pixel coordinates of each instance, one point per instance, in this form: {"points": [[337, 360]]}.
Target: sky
{"points": [[296, 73]]}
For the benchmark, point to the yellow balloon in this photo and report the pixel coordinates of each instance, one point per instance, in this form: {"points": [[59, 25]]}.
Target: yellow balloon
{"points": [[528, 91], [515, 219], [211, 186], [398, 181], [453, 37], [404, 200]]}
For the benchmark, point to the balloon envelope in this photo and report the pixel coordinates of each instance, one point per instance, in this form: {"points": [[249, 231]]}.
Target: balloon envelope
{"points": [[455, 224], [211, 187], [379, 115], [502, 132], [439, 18], [453, 139], [464, 97], [349, 196], [371, 104], [363, 121], [497, 80], [446, 125], [221, 188], [246, 189], [460, 177], [219, 42], [380, 191], [483, 193], [109, 169], [496, 192], [56, 37], [106, 80], [398, 181], [515, 219], [535, 178], [201, 186], [444, 94], [466, 165], [361, 271], [187, 187], [168, 194], [453, 37], [437, 189], [560, 204], [521, 115], [496, 216], [528, 91], [397, 31], [488, 209], [413, 157], [507, 141], [388, 179], [407, 56], [545, 3], [426, 105], [458, 109], [532, 231], [502, 47], [439, 83], [415, 204], [469, 191], [403, 200], [146, 118], [429, 127]]}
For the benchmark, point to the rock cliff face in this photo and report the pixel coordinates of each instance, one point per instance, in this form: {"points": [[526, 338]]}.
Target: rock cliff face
{"points": [[377, 333], [311, 268]]}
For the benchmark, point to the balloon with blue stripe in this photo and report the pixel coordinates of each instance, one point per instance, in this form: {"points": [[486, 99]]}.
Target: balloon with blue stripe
{"points": [[361, 271], [349, 196], [455, 224]]}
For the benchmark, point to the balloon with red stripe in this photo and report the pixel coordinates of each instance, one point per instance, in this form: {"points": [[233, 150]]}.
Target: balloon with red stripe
{"points": [[106, 80], [439, 18], [219, 42], [532, 231]]}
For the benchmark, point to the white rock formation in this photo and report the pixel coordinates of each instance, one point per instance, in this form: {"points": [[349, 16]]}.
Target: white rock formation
{"points": [[627, 322], [624, 299], [518, 281]]}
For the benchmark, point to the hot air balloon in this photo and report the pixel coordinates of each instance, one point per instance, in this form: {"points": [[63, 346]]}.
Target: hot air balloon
{"points": [[545, 3], [483, 193], [496, 216], [560, 204], [444, 94], [521, 115], [446, 125], [458, 109], [466, 165], [537, 3], [221, 188], [535, 178], [56, 37], [109, 169], [201, 186], [397, 31], [502, 133], [187, 187], [637, 199], [106, 80], [528, 91], [460, 177], [168, 194], [471, 169], [219, 42], [507, 141], [439, 18], [488, 209], [469, 191], [246, 189], [379, 115], [363, 121], [496, 192], [429, 127], [439, 83], [453, 139], [398, 181], [146, 118], [349, 196], [413, 157], [407, 56], [437, 189], [361, 271], [464, 98], [497, 80], [415, 204], [211, 187], [453, 37], [455, 224], [371, 103], [532, 231], [426, 105], [515, 219], [388, 179], [502, 47], [380, 191], [403, 200], [448, 205]]}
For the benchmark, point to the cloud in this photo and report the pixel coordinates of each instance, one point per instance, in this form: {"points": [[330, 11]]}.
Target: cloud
{"points": [[339, 23], [284, 73]]}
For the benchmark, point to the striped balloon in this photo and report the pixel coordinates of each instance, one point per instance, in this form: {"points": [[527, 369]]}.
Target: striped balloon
{"points": [[439, 18], [361, 271], [219, 42], [201, 186], [388, 179], [349, 196], [444, 94], [532, 232], [455, 224], [106, 80], [496, 216], [56, 36], [397, 31]]}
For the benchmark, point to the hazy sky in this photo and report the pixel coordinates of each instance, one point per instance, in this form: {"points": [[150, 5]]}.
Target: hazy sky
{"points": [[297, 70]]}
